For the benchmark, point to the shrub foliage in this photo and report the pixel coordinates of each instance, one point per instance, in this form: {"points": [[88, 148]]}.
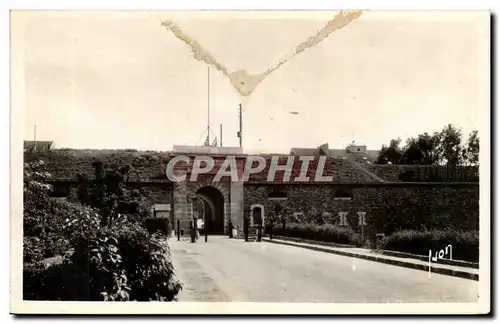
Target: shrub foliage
{"points": [[108, 253], [158, 224], [119, 263]]}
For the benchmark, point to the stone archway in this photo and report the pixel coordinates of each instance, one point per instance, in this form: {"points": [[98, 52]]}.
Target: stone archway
{"points": [[214, 209], [195, 188]]}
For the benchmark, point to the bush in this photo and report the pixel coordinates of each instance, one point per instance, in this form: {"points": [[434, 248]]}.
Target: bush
{"points": [[158, 224], [64, 282], [49, 229], [44, 218], [118, 263], [325, 232], [54, 244], [110, 255], [147, 261], [465, 244], [33, 250], [140, 263]]}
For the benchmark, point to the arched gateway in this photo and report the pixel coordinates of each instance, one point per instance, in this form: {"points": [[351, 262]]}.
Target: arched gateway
{"points": [[210, 200], [213, 209], [200, 192]]}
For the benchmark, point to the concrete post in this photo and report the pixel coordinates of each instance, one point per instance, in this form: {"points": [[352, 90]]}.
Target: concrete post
{"points": [[245, 227], [178, 230], [192, 232]]}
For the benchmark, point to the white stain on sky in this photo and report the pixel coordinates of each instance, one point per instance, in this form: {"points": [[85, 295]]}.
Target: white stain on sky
{"points": [[244, 82]]}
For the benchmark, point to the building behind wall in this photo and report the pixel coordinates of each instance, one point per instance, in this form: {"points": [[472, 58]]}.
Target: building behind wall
{"points": [[38, 146]]}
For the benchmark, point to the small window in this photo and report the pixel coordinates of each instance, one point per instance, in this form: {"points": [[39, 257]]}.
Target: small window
{"points": [[358, 150], [278, 193], [343, 194]]}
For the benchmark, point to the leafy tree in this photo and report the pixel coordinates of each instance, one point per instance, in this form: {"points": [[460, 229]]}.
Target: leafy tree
{"points": [[109, 193], [390, 154], [450, 145], [412, 154], [422, 150], [444, 147], [472, 150], [429, 146]]}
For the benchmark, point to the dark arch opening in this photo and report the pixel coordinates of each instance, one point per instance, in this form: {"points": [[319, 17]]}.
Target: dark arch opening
{"points": [[214, 209]]}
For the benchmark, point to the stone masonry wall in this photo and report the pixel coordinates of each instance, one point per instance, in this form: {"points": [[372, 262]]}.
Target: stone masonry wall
{"points": [[387, 207]]}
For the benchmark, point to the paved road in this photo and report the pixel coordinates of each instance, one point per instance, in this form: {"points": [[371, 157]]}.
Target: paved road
{"points": [[226, 269]]}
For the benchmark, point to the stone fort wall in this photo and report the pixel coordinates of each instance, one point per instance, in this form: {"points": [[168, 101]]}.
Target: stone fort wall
{"points": [[387, 207]]}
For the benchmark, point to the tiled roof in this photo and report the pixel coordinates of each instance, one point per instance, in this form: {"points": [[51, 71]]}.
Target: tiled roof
{"points": [[38, 146], [341, 171]]}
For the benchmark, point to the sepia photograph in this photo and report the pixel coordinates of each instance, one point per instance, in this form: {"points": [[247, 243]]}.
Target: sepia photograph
{"points": [[250, 162]]}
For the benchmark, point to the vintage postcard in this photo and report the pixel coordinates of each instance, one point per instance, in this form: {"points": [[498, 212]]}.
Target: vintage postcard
{"points": [[250, 162]]}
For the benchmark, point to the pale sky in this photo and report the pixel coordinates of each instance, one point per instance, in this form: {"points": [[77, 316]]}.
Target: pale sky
{"points": [[121, 80]]}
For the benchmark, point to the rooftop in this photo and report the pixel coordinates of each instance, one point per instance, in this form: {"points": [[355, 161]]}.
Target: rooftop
{"points": [[38, 146]]}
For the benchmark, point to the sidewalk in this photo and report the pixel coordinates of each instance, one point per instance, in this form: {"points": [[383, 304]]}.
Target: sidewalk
{"points": [[445, 269]]}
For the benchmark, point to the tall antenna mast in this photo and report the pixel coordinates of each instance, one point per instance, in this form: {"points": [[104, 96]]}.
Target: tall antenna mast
{"points": [[220, 139], [34, 145], [240, 133], [208, 108]]}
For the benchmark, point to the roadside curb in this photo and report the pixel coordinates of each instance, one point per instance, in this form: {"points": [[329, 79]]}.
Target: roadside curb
{"points": [[299, 240], [418, 266], [458, 263]]}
